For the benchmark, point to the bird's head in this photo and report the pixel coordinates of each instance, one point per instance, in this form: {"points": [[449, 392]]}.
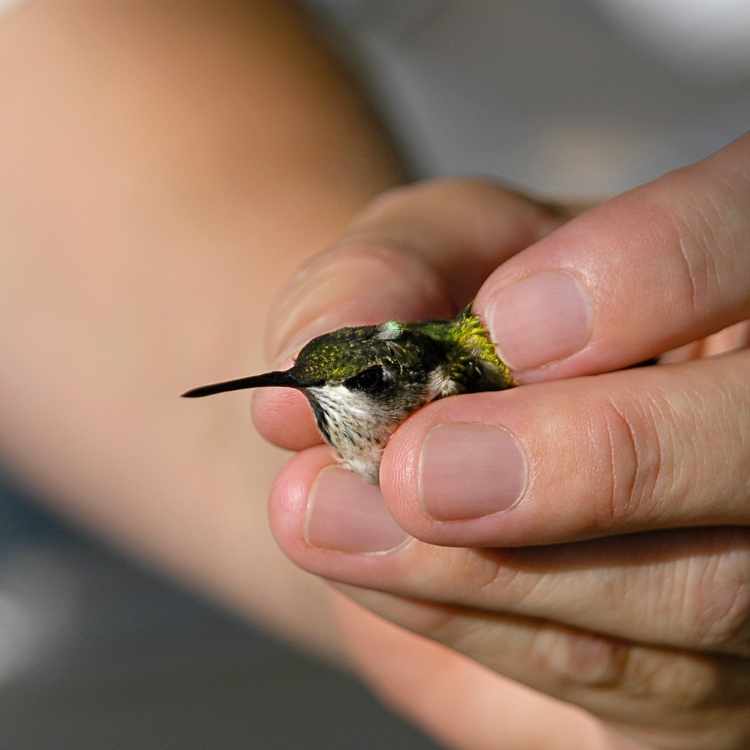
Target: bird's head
{"points": [[362, 382]]}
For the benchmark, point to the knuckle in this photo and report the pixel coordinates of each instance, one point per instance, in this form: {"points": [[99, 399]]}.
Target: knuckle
{"points": [[493, 576], [695, 261], [470, 189], [404, 197], [438, 622], [443, 191], [458, 187], [694, 232], [637, 465], [475, 577], [718, 600], [572, 658], [672, 681], [483, 195], [474, 572], [391, 199]]}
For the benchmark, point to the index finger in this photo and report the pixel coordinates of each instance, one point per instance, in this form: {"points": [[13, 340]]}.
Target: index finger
{"points": [[417, 252]]}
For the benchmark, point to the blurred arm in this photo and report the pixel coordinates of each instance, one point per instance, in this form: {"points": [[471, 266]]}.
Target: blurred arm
{"points": [[164, 166]]}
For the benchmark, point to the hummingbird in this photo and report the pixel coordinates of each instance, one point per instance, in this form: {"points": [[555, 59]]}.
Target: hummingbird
{"points": [[363, 382]]}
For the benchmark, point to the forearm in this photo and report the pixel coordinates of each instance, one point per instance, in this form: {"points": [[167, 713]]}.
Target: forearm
{"points": [[163, 168]]}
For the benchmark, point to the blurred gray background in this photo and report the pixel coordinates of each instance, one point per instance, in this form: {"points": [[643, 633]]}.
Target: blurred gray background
{"points": [[96, 652]]}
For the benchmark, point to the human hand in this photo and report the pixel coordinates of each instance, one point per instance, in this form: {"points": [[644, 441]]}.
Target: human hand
{"points": [[587, 536]]}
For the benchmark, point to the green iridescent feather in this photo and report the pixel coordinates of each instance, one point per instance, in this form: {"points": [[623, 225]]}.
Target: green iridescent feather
{"points": [[462, 346], [469, 342]]}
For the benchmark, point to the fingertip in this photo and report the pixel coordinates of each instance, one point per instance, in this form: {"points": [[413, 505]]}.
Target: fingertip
{"points": [[331, 523], [403, 484], [287, 503], [598, 457], [284, 418]]}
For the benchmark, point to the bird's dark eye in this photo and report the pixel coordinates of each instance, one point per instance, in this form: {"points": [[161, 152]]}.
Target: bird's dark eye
{"points": [[372, 380]]}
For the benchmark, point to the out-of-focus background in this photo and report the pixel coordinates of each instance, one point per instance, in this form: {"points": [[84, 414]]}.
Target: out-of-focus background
{"points": [[96, 652], [569, 99]]}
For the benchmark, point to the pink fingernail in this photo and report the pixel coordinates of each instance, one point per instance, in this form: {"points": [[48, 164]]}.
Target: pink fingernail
{"points": [[540, 319], [347, 514], [470, 470]]}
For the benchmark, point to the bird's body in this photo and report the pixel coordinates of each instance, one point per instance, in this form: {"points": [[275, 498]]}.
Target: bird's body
{"points": [[363, 382]]}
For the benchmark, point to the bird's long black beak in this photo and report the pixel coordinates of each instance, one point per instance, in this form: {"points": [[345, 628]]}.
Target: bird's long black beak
{"points": [[281, 379]]}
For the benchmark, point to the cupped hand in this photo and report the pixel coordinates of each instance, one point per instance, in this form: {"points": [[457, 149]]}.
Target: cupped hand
{"points": [[587, 534]]}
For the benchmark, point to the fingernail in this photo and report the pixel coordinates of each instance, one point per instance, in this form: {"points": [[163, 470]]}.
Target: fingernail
{"points": [[470, 470], [345, 513], [543, 318], [352, 290]]}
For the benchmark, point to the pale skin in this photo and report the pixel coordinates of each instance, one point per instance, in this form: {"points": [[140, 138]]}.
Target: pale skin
{"points": [[632, 632]]}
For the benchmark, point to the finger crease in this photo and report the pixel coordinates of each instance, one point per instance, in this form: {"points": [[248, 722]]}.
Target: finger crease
{"points": [[622, 498], [689, 272]]}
